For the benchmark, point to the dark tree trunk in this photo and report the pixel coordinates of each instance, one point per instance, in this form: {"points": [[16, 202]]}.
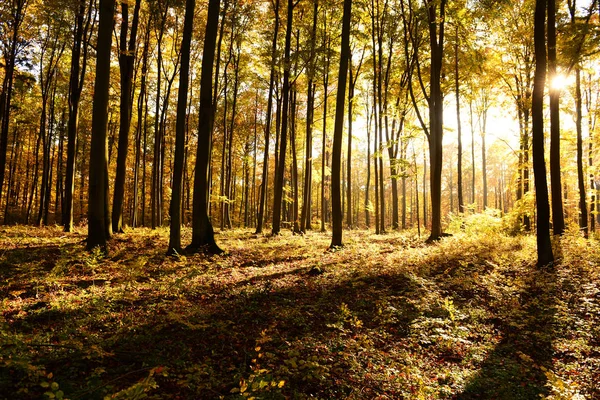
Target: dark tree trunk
{"points": [[368, 184], [265, 174], [98, 231], [141, 126], [202, 230], [295, 186], [461, 203], [305, 218], [336, 195], [126, 63], [81, 40], [278, 195], [7, 86], [544, 247], [558, 218], [583, 216], [175, 206]]}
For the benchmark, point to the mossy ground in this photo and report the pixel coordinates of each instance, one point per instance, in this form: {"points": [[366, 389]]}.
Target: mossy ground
{"points": [[387, 317]]}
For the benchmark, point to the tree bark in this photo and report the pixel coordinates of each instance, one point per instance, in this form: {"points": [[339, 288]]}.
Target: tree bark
{"points": [[278, 195], [558, 218], [265, 173], [544, 247], [336, 195], [202, 230], [98, 231], [126, 63], [175, 206]]}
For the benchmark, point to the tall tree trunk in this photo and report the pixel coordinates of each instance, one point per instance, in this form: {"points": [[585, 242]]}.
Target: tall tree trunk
{"points": [[75, 87], [472, 154], [484, 160], [98, 231], [305, 218], [544, 247], [368, 184], [202, 230], [558, 218], [126, 63], [461, 203], [18, 13], [265, 173], [583, 216], [175, 206], [436, 114], [278, 195], [336, 195], [141, 124], [295, 217]]}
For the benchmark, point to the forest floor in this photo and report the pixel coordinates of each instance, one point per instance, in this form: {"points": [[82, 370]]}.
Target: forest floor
{"points": [[385, 317]]}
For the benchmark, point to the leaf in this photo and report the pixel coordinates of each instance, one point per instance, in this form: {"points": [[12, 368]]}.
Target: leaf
{"points": [[280, 384], [45, 384]]}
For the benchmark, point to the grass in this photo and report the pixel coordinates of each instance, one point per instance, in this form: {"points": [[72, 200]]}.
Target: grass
{"points": [[385, 317]]}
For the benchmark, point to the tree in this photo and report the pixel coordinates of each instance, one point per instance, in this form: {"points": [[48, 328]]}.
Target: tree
{"points": [[280, 167], [336, 193], [98, 214], [203, 237], [265, 175], [435, 104], [175, 207], [126, 61], [78, 70], [544, 247], [558, 218], [305, 218], [17, 10]]}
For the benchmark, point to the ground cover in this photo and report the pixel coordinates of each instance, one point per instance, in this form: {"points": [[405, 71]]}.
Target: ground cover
{"points": [[387, 317]]}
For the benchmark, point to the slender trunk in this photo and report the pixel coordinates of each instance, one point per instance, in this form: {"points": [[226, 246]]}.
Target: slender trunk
{"points": [[544, 248], [461, 203], [558, 218], [336, 193], [278, 195], [202, 230], [583, 216], [98, 231], [141, 123], [265, 173], [5, 102], [126, 63], [175, 206]]}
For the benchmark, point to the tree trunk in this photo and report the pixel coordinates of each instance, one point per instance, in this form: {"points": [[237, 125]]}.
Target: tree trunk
{"points": [[175, 206], [461, 203], [202, 230], [98, 231], [126, 63], [544, 248], [558, 218], [265, 173], [7, 87], [141, 126], [336, 195], [583, 216], [278, 195]]}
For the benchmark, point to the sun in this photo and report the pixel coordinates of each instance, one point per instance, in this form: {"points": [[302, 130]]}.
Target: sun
{"points": [[560, 81]]}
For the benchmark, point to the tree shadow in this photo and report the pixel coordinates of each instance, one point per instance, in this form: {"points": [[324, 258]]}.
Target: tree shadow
{"points": [[515, 367]]}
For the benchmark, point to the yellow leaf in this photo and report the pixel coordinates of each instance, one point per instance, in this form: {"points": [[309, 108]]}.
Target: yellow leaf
{"points": [[281, 383]]}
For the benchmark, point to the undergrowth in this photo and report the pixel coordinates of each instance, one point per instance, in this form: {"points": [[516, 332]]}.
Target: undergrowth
{"points": [[386, 317]]}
